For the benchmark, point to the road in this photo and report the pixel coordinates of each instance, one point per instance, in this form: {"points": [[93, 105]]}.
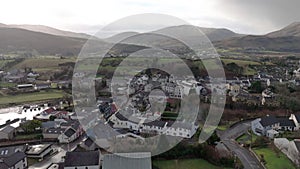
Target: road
{"points": [[228, 137]]}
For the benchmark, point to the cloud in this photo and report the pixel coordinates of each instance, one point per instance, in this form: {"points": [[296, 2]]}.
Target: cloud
{"points": [[262, 15]]}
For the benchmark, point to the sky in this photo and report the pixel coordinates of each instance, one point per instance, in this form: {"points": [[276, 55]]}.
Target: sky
{"points": [[241, 16]]}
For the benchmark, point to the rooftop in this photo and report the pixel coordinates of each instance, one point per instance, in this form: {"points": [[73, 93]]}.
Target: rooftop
{"points": [[90, 158]]}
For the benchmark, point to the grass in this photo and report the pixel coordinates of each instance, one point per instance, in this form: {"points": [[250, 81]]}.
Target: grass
{"points": [[42, 63], [31, 97], [28, 136], [240, 62], [273, 160], [6, 84], [184, 164], [246, 138], [32, 161]]}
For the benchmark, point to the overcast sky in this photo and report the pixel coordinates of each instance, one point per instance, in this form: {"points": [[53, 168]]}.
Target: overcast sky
{"points": [[242, 16]]}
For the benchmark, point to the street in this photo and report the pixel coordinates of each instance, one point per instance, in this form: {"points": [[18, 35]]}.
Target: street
{"points": [[228, 137]]}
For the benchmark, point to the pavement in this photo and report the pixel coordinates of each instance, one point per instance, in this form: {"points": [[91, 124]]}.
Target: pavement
{"points": [[228, 137]]}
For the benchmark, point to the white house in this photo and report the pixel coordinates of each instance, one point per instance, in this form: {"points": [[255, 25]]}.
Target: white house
{"points": [[260, 126]]}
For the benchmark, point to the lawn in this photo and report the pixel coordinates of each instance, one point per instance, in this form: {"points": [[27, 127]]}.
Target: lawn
{"points": [[274, 161], [31, 97], [184, 164]]}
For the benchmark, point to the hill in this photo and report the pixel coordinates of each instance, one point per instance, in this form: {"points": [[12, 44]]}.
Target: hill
{"points": [[48, 30], [265, 43], [15, 40], [290, 30]]}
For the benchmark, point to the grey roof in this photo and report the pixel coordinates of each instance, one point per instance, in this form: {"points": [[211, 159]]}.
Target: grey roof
{"points": [[268, 121], [286, 122], [70, 132], [90, 158], [7, 129], [10, 161], [88, 142], [54, 131], [127, 161], [8, 151], [156, 123], [121, 117]]}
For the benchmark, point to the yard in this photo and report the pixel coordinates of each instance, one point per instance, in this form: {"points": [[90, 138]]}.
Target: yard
{"points": [[184, 164], [31, 97], [273, 160]]}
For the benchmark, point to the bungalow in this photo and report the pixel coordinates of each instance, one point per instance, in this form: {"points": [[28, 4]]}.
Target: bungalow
{"points": [[82, 160], [260, 126]]}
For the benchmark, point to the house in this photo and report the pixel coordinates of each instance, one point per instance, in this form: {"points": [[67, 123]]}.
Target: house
{"points": [[260, 126], [296, 119], [82, 160], [39, 151], [68, 136], [52, 133], [10, 150], [286, 124], [65, 130], [7, 133], [17, 160], [140, 160], [180, 129], [41, 86]]}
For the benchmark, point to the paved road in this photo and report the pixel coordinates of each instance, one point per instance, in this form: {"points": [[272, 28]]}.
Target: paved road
{"points": [[246, 157]]}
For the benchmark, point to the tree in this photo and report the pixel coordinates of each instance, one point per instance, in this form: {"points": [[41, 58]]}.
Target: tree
{"points": [[256, 87], [31, 126]]}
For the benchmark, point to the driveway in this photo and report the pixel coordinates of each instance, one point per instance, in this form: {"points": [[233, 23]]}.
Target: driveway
{"points": [[228, 137]]}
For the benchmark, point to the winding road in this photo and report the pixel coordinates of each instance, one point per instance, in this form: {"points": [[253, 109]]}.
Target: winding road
{"points": [[228, 137]]}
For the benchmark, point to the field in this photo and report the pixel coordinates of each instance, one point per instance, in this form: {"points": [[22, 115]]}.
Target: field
{"points": [[184, 164], [273, 160], [31, 97], [42, 63]]}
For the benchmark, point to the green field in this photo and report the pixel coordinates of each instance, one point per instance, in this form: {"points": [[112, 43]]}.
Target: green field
{"points": [[42, 63], [184, 164], [273, 160], [31, 97]]}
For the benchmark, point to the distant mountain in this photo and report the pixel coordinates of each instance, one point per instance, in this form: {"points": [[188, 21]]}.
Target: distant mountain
{"points": [[21, 40], [291, 30], [48, 30], [120, 36], [213, 34], [251, 42]]}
